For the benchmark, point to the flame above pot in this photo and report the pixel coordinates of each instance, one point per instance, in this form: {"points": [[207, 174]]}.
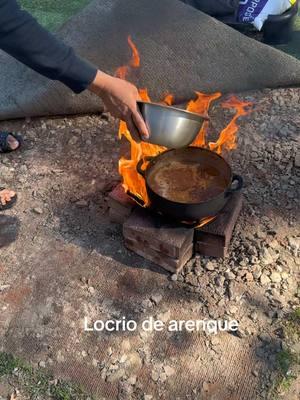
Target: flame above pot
{"points": [[132, 181]]}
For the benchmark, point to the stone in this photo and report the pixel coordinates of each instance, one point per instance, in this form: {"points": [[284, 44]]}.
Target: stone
{"points": [[91, 290], [254, 316], [275, 277], [233, 309], [260, 234], [274, 244], [235, 290], [229, 275], [163, 377], [146, 303], [174, 277], [264, 337], [164, 316], [256, 271], [42, 364], [123, 359], [132, 380], [134, 360], [294, 243], [60, 357], [109, 351], [264, 279], [116, 376], [169, 370], [210, 266], [82, 203], [284, 275], [249, 277], [265, 257], [156, 298], [220, 280], [191, 279], [37, 210], [4, 287], [125, 346], [155, 375], [94, 363], [297, 160]]}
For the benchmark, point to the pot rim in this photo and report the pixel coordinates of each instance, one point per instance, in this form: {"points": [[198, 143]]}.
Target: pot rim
{"points": [[219, 196]]}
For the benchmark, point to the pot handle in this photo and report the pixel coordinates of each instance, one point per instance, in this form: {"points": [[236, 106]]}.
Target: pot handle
{"points": [[140, 163], [240, 183]]}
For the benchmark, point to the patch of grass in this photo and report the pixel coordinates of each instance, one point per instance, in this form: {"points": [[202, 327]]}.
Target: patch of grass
{"points": [[63, 391], [288, 361], [7, 364], [295, 316], [286, 383], [285, 360], [292, 325], [53, 13], [37, 383]]}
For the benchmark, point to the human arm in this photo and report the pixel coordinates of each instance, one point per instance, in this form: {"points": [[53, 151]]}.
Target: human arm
{"points": [[25, 39]]}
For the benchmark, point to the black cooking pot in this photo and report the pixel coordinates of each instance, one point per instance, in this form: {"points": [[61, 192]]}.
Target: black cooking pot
{"points": [[189, 209]]}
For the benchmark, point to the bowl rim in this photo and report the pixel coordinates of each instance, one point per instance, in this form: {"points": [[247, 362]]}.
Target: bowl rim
{"points": [[198, 117]]}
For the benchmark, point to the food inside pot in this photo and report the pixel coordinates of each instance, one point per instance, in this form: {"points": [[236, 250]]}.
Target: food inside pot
{"points": [[187, 182]]}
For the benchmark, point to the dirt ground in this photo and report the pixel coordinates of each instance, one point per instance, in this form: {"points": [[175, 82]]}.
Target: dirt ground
{"points": [[62, 259]]}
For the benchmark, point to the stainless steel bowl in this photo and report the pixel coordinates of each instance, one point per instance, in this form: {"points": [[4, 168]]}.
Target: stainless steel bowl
{"points": [[169, 126]]}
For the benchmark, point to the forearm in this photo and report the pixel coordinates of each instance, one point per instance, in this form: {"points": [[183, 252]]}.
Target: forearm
{"points": [[23, 38]]}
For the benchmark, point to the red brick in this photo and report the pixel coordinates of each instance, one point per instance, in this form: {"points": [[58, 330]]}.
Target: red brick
{"points": [[118, 197], [157, 233], [120, 205], [170, 264], [118, 217], [210, 250], [213, 239]]}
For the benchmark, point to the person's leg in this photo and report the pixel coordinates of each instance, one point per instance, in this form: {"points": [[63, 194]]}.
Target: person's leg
{"points": [[8, 142], [214, 7], [12, 142], [7, 198]]}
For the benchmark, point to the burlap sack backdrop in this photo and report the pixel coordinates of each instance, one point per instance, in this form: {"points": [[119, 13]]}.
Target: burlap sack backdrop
{"points": [[181, 50]]}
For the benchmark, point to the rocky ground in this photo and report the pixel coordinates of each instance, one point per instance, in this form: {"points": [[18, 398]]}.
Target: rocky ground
{"points": [[62, 259]]}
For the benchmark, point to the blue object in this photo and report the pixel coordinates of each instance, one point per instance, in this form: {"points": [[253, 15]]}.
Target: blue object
{"points": [[249, 10]]}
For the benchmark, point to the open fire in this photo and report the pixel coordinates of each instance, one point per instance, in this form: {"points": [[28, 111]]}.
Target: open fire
{"points": [[133, 183]]}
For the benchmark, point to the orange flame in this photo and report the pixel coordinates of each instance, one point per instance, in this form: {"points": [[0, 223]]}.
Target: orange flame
{"points": [[201, 106], [201, 137], [144, 94], [202, 103], [228, 137], [205, 221], [168, 99], [132, 181], [135, 61]]}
